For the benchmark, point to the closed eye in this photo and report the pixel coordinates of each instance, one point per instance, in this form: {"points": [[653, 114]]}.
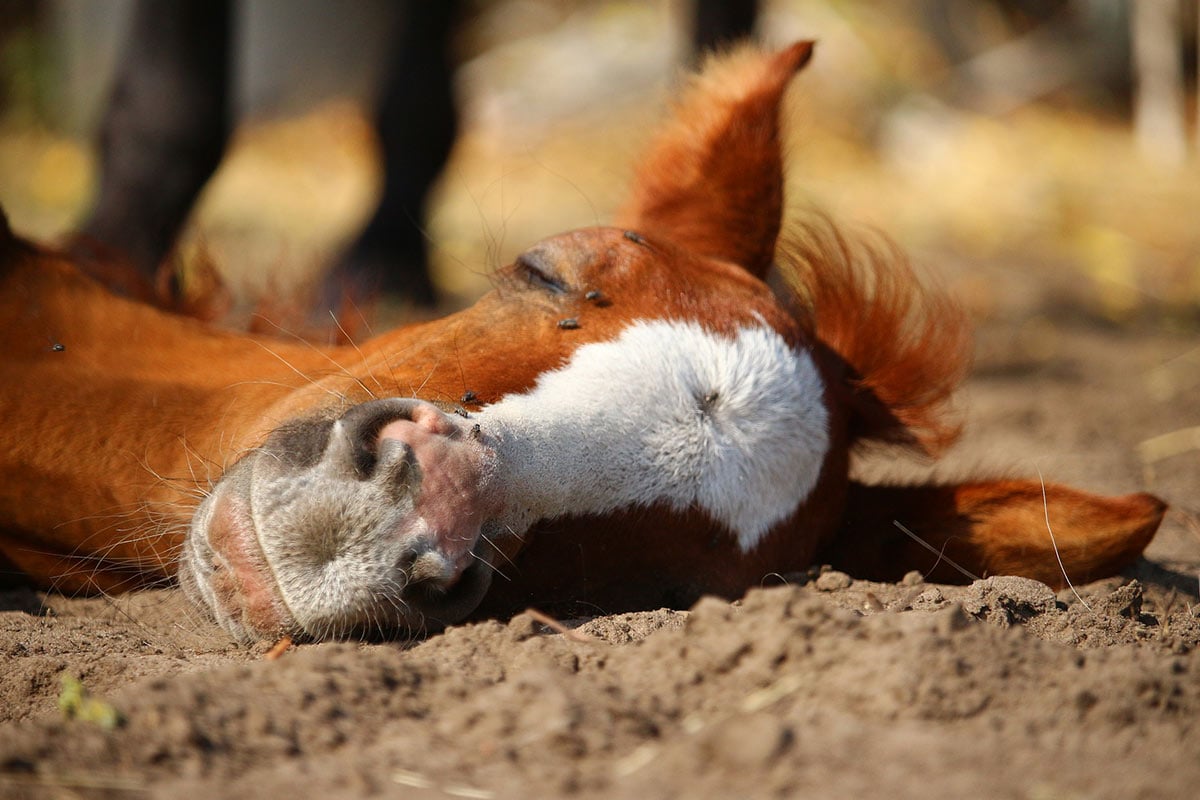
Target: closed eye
{"points": [[539, 274]]}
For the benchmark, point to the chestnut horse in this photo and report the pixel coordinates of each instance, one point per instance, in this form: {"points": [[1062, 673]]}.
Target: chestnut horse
{"points": [[641, 419]]}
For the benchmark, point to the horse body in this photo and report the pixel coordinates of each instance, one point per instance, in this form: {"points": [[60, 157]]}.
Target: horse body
{"points": [[116, 412], [642, 420]]}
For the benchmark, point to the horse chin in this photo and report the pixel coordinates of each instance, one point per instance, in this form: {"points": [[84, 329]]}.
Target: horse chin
{"points": [[314, 549], [437, 607]]}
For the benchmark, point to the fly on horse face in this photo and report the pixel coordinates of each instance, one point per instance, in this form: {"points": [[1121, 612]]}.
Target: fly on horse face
{"points": [[643, 419]]}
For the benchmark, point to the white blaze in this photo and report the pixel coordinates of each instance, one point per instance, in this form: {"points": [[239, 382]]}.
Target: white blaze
{"points": [[667, 413]]}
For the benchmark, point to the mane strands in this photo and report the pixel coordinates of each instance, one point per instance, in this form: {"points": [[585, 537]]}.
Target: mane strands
{"points": [[907, 345]]}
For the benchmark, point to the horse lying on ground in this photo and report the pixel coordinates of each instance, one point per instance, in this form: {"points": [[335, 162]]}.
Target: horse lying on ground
{"points": [[639, 420]]}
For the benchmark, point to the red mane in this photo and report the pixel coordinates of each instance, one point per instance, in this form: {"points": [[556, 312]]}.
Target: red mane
{"points": [[906, 345]]}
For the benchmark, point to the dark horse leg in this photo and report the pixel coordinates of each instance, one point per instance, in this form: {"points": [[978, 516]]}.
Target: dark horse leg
{"points": [[718, 22], [165, 127], [168, 122], [417, 123]]}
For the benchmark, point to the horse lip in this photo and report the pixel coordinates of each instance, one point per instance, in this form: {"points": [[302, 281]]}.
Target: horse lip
{"points": [[242, 589]]}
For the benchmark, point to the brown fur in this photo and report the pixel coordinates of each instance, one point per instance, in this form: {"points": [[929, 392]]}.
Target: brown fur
{"points": [[992, 528]]}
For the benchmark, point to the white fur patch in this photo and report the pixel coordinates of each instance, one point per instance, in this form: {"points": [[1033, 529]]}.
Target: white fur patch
{"points": [[668, 413]]}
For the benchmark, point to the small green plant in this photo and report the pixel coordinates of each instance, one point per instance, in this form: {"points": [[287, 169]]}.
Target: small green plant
{"points": [[76, 703]]}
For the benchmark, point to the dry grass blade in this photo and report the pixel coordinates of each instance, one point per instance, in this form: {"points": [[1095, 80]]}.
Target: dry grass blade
{"points": [[941, 556], [278, 649], [64, 782], [1168, 445], [556, 626], [1054, 543]]}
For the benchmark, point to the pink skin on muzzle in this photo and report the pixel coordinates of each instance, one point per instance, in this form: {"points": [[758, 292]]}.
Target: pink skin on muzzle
{"points": [[458, 487]]}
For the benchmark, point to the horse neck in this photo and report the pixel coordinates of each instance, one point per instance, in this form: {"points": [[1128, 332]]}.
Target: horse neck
{"points": [[124, 413]]}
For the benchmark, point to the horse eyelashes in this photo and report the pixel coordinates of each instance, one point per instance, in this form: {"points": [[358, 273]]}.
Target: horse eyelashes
{"points": [[538, 273]]}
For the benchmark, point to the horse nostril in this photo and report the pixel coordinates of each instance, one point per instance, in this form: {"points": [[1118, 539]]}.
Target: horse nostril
{"points": [[350, 452], [395, 462], [342, 453], [356, 448], [425, 566]]}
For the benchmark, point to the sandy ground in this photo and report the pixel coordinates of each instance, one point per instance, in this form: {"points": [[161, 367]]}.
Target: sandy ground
{"points": [[825, 686]]}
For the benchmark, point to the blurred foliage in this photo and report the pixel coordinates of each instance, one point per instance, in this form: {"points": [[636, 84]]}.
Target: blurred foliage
{"points": [[25, 70], [25, 77]]}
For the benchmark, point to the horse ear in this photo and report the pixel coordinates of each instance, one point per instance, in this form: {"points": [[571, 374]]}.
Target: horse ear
{"points": [[1008, 527], [712, 181]]}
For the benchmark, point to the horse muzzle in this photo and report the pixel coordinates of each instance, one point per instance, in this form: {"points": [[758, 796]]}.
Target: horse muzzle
{"points": [[369, 523]]}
